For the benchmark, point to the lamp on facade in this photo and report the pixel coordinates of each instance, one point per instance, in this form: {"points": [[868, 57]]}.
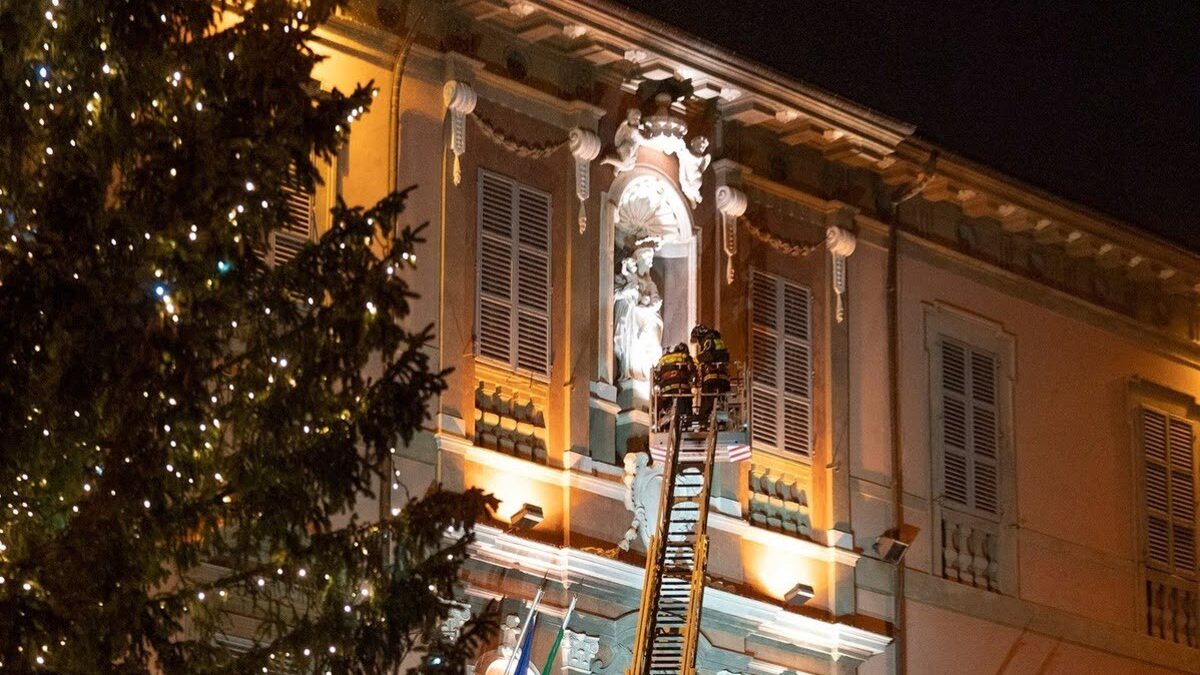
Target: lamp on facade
{"points": [[893, 544], [526, 517], [800, 594]]}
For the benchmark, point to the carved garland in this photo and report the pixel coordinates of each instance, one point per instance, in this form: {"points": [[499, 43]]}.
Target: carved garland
{"points": [[778, 243], [518, 148], [584, 145]]}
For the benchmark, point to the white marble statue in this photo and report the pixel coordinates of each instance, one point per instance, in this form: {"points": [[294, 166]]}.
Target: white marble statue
{"points": [[692, 164], [637, 316], [627, 139]]}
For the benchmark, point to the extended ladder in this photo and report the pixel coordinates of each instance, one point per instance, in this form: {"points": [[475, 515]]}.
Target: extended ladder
{"points": [[669, 622]]}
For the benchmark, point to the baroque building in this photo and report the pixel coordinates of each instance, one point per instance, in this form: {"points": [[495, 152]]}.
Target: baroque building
{"points": [[973, 405]]}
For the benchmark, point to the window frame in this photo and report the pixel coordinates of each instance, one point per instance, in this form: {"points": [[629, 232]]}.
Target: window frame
{"points": [[943, 321], [1143, 394], [781, 341], [321, 201], [514, 308]]}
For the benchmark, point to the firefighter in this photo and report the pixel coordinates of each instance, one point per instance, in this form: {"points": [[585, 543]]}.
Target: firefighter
{"points": [[674, 376], [713, 360]]}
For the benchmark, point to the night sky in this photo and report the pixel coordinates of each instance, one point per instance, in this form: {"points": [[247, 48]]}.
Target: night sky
{"points": [[1098, 102]]}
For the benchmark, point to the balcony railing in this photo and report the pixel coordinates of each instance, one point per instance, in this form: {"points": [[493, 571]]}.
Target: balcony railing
{"points": [[778, 502], [970, 551], [1172, 608]]}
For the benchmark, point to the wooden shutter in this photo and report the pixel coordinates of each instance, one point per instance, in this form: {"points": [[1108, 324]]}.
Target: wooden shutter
{"points": [[781, 365], [300, 204], [1168, 446], [969, 426], [513, 313], [533, 281]]}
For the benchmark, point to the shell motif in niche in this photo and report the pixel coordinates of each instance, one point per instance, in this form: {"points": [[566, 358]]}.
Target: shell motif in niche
{"points": [[646, 209]]}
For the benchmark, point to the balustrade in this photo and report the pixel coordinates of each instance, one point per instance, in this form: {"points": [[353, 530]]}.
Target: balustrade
{"points": [[969, 551], [1172, 608]]}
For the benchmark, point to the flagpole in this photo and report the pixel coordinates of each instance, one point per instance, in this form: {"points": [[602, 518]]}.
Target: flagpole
{"points": [[546, 669], [537, 599], [570, 610]]}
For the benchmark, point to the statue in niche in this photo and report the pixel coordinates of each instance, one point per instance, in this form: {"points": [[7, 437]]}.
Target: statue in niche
{"points": [[637, 315], [627, 139], [692, 164]]}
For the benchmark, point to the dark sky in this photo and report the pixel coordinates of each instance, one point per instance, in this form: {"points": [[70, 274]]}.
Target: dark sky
{"points": [[1095, 101]]}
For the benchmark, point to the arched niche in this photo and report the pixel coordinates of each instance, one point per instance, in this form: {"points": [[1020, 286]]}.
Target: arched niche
{"points": [[644, 208]]}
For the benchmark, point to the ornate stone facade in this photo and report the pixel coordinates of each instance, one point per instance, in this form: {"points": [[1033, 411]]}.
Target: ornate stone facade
{"points": [[1084, 322]]}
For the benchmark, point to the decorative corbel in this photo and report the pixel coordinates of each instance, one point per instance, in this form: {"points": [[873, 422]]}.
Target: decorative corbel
{"points": [[584, 146], [731, 205], [456, 617], [581, 651], [841, 243], [460, 101]]}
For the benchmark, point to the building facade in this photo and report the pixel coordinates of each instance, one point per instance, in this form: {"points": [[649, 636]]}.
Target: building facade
{"points": [[973, 404]]}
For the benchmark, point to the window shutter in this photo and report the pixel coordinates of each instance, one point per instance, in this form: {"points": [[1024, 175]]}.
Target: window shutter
{"points": [[764, 412], [513, 322], [533, 281], [1168, 446], [969, 427], [297, 230], [781, 365], [495, 267]]}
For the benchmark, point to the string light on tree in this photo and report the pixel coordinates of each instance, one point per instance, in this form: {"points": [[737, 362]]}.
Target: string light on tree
{"points": [[158, 363]]}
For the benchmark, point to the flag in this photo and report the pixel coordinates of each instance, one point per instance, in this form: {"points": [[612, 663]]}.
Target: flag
{"points": [[526, 638], [546, 669], [737, 452], [526, 648]]}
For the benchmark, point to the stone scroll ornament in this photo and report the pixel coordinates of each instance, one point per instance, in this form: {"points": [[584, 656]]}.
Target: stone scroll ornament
{"points": [[584, 146], [840, 243], [731, 206], [460, 101]]}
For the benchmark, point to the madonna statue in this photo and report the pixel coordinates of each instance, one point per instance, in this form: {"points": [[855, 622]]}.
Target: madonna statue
{"points": [[637, 316]]}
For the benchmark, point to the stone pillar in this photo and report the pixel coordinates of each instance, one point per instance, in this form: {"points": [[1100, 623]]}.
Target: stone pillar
{"points": [[602, 418], [840, 242]]}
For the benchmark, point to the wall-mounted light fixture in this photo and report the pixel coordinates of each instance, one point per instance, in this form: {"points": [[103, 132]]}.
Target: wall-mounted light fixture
{"points": [[893, 544], [526, 517], [800, 594]]}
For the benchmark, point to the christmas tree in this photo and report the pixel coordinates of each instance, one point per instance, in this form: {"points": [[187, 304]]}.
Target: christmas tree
{"points": [[187, 417]]}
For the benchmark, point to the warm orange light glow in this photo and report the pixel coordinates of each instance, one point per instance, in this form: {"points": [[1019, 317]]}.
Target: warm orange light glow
{"points": [[514, 490], [777, 572]]}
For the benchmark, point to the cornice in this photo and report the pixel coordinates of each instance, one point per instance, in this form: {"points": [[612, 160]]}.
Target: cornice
{"points": [[369, 43], [628, 46], [615, 38], [1165, 344], [571, 566], [613, 488]]}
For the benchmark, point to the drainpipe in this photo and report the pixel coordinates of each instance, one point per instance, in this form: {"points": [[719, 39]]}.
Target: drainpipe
{"points": [[399, 60], [893, 335]]}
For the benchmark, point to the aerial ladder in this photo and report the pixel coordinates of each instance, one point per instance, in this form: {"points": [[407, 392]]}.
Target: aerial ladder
{"points": [[688, 446]]}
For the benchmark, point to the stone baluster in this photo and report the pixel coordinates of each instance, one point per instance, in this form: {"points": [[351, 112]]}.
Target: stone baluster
{"points": [[980, 559], [993, 568], [962, 543], [1154, 609], [1191, 620], [949, 552]]}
